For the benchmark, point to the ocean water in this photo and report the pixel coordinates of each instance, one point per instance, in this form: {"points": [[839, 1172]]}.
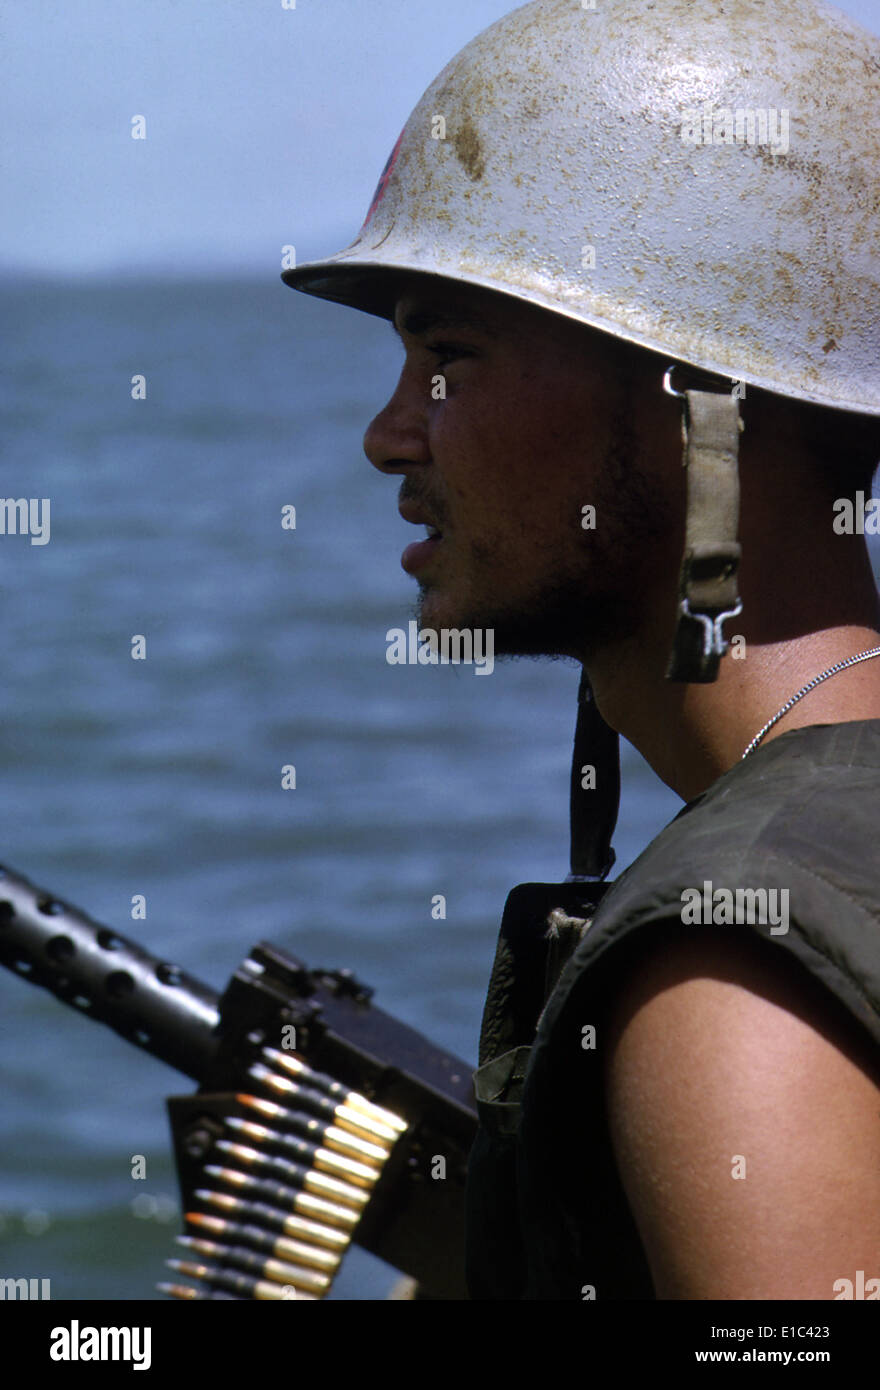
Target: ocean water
{"points": [[264, 647]]}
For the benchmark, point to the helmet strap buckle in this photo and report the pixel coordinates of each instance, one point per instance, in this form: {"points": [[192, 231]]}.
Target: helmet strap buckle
{"points": [[708, 578], [712, 642]]}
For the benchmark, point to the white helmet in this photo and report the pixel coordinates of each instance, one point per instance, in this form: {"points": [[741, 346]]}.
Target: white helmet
{"points": [[696, 177]]}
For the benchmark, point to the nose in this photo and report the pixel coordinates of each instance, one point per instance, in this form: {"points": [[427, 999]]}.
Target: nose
{"points": [[398, 436]]}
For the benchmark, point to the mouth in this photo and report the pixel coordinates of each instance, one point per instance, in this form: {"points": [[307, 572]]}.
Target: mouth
{"points": [[418, 554]]}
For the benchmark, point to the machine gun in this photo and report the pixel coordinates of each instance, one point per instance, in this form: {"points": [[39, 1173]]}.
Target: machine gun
{"points": [[319, 1120]]}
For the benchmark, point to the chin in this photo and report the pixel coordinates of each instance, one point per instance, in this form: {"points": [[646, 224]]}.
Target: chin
{"points": [[436, 611], [549, 623], [441, 614]]}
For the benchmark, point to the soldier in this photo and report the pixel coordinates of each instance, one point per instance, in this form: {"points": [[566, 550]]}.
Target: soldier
{"points": [[602, 232]]}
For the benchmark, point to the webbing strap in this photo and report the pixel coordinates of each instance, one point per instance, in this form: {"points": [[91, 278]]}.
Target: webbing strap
{"points": [[595, 790], [708, 579]]}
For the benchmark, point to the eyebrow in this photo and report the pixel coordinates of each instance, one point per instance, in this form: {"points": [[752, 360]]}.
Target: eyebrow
{"points": [[419, 321]]}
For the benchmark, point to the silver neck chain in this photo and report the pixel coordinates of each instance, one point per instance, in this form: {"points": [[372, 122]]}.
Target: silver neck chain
{"points": [[832, 671]]}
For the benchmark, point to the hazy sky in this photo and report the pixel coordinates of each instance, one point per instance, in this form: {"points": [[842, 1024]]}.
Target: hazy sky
{"points": [[264, 125]]}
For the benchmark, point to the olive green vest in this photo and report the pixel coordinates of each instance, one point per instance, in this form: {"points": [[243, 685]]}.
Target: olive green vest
{"points": [[546, 1213]]}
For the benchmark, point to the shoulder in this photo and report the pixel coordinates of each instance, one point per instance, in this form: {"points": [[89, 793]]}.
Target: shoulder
{"points": [[744, 1110], [799, 821]]}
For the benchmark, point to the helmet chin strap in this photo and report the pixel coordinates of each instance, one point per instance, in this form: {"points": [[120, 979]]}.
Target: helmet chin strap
{"points": [[707, 587], [711, 426]]}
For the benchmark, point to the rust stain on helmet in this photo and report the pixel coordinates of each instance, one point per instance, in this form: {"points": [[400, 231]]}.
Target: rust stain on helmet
{"points": [[466, 143]]}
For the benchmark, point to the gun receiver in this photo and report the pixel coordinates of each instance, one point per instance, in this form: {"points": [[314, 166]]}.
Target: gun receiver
{"points": [[289, 1061]]}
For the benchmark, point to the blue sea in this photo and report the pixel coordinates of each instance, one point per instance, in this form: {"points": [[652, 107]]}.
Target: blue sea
{"points": [[264, 647]]}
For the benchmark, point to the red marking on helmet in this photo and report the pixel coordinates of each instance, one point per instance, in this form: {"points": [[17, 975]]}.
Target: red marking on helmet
{"points": [[383, 180]]}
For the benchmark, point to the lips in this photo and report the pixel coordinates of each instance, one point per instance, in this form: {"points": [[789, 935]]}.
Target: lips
{"points": [[417, 555], [412, 512]]}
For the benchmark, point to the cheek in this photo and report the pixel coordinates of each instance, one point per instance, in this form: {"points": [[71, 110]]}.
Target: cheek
{"points": [[546, 462], [506, 435], [514, 458]]}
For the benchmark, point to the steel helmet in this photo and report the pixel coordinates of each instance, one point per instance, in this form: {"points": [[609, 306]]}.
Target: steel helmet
{"points": [[696, 177]]}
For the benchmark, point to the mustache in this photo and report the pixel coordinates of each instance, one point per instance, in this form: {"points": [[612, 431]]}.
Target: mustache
{"points": [[419, 496]]}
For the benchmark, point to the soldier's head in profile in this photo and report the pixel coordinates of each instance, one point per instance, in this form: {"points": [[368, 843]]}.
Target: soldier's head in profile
{"points": [[591, 214]]}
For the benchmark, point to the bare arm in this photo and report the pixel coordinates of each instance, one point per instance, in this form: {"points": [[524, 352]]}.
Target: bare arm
{"points": [[745, 1121]]}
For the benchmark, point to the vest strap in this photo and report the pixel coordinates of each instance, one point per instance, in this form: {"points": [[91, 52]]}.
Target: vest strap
{"points": [[593, 807]]}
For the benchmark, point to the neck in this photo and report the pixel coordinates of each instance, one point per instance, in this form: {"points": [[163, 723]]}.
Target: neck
{"points": [[691, 734]]}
